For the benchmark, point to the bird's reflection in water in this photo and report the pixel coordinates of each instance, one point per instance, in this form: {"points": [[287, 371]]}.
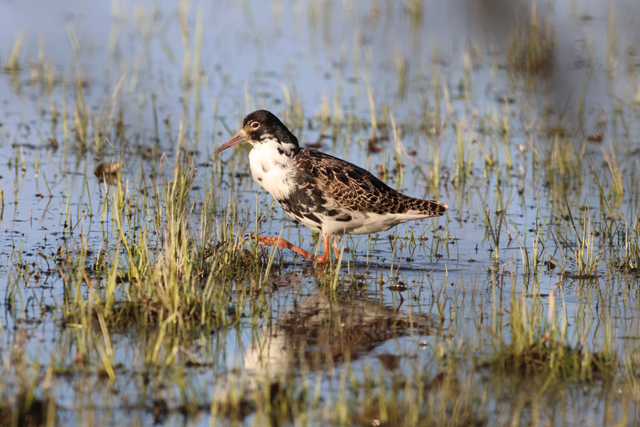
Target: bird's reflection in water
{"points": [[322, 333]]}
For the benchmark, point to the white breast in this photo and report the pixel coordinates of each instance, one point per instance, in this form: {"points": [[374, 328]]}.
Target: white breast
{"points": [[271, 169]]}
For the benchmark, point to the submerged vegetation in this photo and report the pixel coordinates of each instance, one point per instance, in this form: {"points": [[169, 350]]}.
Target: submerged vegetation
{"points": [[135, 292]]}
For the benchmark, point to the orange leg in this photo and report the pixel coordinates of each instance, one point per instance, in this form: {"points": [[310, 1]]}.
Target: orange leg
{"points": [[336, 248], [336, 252], [326, 255], [277, 241]]}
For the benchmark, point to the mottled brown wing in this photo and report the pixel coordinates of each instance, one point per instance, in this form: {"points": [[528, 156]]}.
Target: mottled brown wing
{"points": [[356, 189]]}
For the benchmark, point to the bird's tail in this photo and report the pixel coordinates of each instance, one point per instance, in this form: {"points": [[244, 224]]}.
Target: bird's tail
{"points": [[426, 207]]}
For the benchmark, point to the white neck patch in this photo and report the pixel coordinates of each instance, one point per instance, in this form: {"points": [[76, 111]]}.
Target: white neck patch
{"points": [[272, 168]]}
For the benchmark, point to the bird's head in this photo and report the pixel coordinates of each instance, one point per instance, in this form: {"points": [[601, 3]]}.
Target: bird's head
{"points": [[260, 127]]}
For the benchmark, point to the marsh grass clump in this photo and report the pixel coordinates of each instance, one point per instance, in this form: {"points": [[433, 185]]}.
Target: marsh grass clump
{"points": [[174, 260], [400, 65], [13, 62], [394, 398], [531, 50], [632, 255], [562, 163], [625, 246], [126, 315], [382, 396], [28, 411], [540, 346], [548, 357]]}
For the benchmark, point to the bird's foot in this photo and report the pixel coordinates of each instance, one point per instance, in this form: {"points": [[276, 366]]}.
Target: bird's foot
{"points": [[324, 258], [281, 243]]}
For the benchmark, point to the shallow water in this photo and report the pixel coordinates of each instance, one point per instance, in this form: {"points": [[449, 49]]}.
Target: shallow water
{"points": [[329, 63]]}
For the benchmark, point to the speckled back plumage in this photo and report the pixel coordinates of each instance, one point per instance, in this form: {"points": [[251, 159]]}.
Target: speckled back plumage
{"points": [[357, 189]]}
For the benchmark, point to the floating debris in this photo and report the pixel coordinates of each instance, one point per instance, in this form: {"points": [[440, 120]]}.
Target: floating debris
{"points": [[108, 172]]}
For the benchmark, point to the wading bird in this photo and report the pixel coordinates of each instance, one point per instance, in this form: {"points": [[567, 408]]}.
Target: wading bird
{"points": [[329, 195]]}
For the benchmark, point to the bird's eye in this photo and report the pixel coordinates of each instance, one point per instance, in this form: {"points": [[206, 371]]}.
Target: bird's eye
{"points": [[255, 125]]}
